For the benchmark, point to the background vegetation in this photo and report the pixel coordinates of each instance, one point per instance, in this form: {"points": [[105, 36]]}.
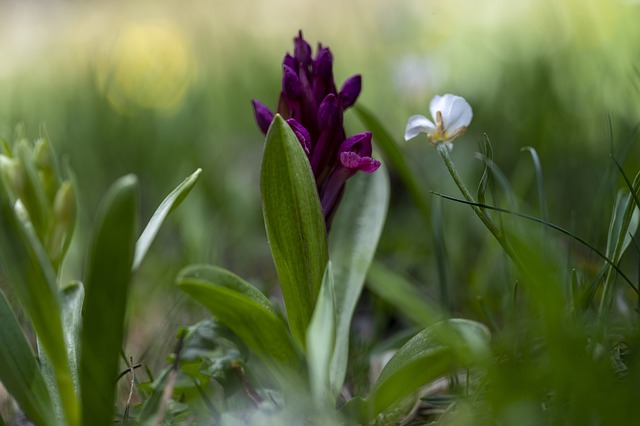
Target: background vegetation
{"points": [[160, 88]]}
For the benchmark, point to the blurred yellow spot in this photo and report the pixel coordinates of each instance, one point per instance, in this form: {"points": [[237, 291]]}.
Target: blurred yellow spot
{"points": [[149, 66]]}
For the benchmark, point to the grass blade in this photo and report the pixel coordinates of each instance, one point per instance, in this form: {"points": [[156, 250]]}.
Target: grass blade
{"points": [[402, 295], [396, 159], [294, 222], [107, 285], [550, 225]]}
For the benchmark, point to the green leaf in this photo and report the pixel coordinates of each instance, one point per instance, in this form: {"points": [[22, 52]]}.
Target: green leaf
{"points": [[71, 299], [106, 286], [623, 225], [402, 295], [247, 312], [172, 201], [32, 278], [353, 240], [321, 341], [294, 223], [437, 351], [19, 370], [396, 159]]}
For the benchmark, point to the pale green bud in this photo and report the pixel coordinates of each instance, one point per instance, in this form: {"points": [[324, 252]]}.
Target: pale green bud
{"points": [[21, 211], [64, 205], [64, 212]]}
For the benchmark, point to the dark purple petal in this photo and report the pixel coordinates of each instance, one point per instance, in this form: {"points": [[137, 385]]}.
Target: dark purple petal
{"points": [[289, 61], [355, 153], [328, 112], [264, 116], [301, 133], [323, 74], [301, 49], [323, 66], [291, 86], [350, 91], [359, 143], [353, 161]]}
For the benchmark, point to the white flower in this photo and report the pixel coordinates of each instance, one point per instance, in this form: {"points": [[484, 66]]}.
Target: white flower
{"points": [[452, 116]]}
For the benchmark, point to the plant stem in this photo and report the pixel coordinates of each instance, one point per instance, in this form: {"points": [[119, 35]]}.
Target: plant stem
{"points": [[484, 217]]}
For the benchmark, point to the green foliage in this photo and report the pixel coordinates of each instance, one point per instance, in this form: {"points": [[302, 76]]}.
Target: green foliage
{"points": [[438, 350], [294, 222], [321, 340], [79, 334], [19, 370], [356, 230], [172, 201], [107, 287], [247, 312]]}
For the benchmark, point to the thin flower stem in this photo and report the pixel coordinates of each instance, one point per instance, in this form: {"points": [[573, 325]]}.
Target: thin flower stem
{"points": [[484, 217]]}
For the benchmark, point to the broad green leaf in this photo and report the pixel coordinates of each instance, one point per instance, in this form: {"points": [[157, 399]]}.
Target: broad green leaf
{"points": [[395, 158], [247, 312], [19, 370], [106, 290], [353, 240], [402, 295], [32, 278], [172, 201], [437, 351], [294, 223], [321, 341]]}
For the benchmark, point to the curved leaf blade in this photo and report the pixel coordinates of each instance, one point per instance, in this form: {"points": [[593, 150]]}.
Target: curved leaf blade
{"points": [[236, 304], [106, 291], [321, 341], [19, 370], [33, 280], [294, 223], [172, 201], [354, 237], [436, 351]]}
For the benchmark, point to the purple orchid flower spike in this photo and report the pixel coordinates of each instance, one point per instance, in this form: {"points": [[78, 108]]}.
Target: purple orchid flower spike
{"points": [[314, 110]]}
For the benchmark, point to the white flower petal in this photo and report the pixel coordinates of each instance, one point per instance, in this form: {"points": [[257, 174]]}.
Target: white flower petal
{"points": [[456, 111], [439, 103], [418, 124], [459, 116]]}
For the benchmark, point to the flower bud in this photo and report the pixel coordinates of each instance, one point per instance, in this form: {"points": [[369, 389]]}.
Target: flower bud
{"points": [[291, 86], [264, 116], [43, 155], [64, 212], [350, 91], [64, 205], [21, 211]]}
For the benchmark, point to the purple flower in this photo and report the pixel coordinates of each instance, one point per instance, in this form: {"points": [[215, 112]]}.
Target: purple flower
{"points": [[314, 109]]}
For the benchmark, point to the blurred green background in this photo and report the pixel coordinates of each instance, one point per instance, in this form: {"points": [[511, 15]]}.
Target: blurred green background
{"points": [[161, 88]]}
